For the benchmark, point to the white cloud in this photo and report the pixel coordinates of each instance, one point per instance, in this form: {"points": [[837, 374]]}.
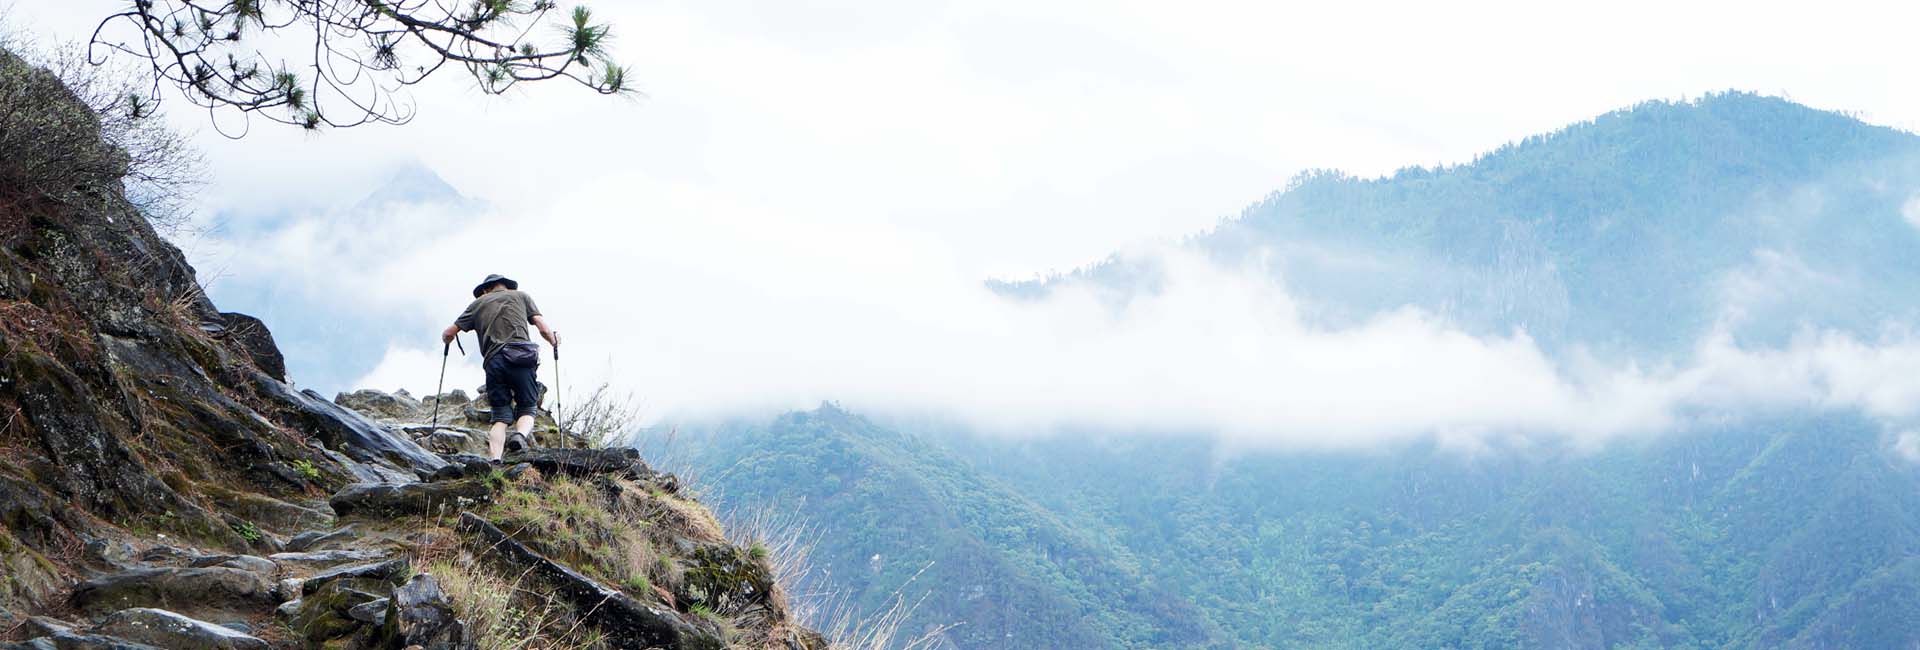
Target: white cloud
{"points": [[1911, 210], [411, 368], [804, 205], [1908, 446]]}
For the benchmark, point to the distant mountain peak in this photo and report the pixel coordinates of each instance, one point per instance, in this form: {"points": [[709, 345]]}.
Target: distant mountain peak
{"points": [[413, 183]]}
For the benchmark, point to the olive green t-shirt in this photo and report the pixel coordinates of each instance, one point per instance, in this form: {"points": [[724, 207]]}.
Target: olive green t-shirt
{"points": [[498, 318]]}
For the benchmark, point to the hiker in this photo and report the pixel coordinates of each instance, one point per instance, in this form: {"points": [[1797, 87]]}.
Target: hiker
{"points": [[499, 315]]}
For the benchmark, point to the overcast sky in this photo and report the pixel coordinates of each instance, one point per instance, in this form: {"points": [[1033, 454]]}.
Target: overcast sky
{"points": [[804, 202]]}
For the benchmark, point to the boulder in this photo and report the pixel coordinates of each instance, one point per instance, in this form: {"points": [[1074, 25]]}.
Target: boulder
{"points": [[381, 406], [254, 339], [389, 571], [288, 589], [451, 404], [108, 555], [419, 615], [302, 563], [461, 466], [396, 500], [371, 612], [80, 641], [625, 622], [193, 590], [166, 629], [260, 565], [623, 462], [321, 539], [452, 442], [326, 612]]}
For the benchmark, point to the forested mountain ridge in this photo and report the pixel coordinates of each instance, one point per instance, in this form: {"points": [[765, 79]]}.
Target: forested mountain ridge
{"points": [[1618, 233], [1631, 237]]}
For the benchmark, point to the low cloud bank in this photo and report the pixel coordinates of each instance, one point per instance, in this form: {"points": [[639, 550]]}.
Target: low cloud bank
{"points": [[738, 311]]}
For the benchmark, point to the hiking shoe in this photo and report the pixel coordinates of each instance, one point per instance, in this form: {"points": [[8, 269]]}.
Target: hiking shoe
{"points": [[517, 442]]}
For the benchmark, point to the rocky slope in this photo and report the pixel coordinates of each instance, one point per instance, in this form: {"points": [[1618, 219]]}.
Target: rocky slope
{"points": [[163, 486]]}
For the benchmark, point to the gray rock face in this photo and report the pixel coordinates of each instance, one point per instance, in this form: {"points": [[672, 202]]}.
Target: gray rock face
{"points": [[463, 466], [253, 337], [389, 571], [39, 626], [381, 406], [391, 500], [166, 629], [353, 434], [448, 442], [623, 462], [419, 615], [326, 612], [322, 539], [288, 590], [263, 566], [371, 612], [627, 623], [79, 641], [194, 590], [301, 563]]}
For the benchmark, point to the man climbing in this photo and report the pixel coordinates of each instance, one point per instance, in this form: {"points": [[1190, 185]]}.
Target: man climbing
{"points": [[499, 315]]}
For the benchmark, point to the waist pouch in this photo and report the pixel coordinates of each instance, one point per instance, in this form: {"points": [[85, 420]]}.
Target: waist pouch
{"points": [[519, 354]]}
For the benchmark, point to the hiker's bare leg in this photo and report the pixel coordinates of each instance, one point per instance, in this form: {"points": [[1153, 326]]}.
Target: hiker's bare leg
{"points": [[524, 425], [497, 440]]}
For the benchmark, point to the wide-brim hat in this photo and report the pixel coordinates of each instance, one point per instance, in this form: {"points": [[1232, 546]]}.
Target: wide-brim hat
{"points": [[493, 280]]}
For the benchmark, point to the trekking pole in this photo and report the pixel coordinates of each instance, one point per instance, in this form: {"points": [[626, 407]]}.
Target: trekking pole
{"points": [[558, 424], [445, 349]]}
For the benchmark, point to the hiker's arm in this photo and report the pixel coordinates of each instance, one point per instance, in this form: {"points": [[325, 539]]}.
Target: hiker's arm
{"points": [[552, 337], [462, 323]]}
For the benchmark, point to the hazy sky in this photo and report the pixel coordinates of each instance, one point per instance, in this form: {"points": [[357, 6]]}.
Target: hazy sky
{"points": [[805, 201]]}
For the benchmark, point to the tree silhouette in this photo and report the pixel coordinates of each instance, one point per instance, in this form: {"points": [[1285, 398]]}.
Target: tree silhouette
{"points": [[355, 58]]}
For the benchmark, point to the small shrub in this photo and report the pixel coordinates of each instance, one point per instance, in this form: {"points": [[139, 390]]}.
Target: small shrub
{"points": [[246, 530], [306, 469]]}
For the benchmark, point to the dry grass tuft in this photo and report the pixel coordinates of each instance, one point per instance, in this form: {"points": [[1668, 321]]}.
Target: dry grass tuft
{"points": [[574, 522], [503, 614]]}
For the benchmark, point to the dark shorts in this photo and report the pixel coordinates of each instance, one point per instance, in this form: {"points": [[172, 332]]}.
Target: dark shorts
{"points": [[510, 382]]}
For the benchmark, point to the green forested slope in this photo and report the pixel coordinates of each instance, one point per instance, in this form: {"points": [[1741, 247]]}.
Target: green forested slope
{"points": [[1001, 569], [1758, 537]]}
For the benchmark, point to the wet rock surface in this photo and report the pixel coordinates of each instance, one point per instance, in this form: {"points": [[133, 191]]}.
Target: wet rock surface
{"points": [[390, 571], [170, 630], [212, 590], [361, 439], [81, 641], [622, 462], [393, 500], [314, 561]]}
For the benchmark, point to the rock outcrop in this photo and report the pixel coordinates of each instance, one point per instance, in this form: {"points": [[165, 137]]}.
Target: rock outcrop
{"points": [[164, 486]]}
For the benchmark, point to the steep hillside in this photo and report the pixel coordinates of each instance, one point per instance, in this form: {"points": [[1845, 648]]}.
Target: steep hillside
{"points": [[162, 485], [898, 515], [1751, 537]]}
